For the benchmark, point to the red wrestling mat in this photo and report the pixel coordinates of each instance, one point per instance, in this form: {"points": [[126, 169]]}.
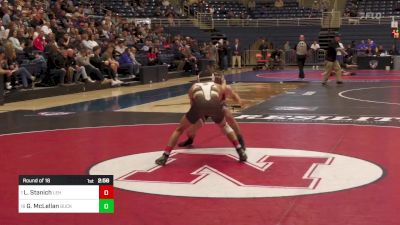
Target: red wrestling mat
{"points": [[297, 174]]}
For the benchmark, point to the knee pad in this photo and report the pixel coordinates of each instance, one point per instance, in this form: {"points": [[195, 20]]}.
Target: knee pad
{"points": [[227, 129]]}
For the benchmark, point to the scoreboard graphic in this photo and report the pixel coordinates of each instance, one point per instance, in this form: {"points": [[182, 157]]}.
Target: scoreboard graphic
{"points": [[65, 194]]}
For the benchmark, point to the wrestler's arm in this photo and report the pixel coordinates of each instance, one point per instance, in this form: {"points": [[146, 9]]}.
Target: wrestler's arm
{"points": [[232, 94], [190, 94]]}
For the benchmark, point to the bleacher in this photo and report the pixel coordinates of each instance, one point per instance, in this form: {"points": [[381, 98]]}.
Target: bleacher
{"points": [[264, 10], [385, 7], [131, 10], [291, 9]]}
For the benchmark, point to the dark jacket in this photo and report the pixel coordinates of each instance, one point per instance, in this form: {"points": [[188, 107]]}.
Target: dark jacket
{"points": [[331, 52], [96, 61], [57, 61]]}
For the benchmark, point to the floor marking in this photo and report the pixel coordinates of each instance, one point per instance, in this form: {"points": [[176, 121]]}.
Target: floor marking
{"points": [[341, 94], [308, 93]]}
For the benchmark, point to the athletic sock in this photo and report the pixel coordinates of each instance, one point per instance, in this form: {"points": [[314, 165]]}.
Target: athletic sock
{"points": [[167, 150], [236, 144]]}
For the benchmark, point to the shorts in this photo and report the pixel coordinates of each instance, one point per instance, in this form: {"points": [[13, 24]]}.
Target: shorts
{"points": [[203, 109]]}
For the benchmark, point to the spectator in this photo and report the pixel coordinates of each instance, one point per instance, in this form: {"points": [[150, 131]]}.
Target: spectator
{"points": [[126, 63], [18, 71], [362, 46], [189, 60], [152, 57], [263, 48], [286, 46], [6, 17], [136, 64], [15, 42], [223, 55], [5, 70], [120, 47], [39, 43], [76, 69], [381, 51], [104, 65], [314, 49], [279, 3], [237, 54], [315, 46], [56, 66], [393, 50], [88, 42], [83, 59]]}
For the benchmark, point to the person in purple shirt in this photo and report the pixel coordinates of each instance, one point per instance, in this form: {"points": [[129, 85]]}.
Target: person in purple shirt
{"points": [[126, 62], [362, 46]]}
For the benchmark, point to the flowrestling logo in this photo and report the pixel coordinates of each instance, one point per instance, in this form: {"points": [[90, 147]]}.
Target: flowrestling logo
{"points": [[324, 118], [216, 173]]}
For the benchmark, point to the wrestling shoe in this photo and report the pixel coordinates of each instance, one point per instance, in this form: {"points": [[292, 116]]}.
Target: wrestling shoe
{"points": [[162, 160], [188, 142], [242, 154]]}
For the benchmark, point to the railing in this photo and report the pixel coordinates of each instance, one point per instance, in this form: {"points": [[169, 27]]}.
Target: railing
{"points": [[215, 23], [287, 58], [267, 22], [369, 20], [173, 22], [205, 20]]}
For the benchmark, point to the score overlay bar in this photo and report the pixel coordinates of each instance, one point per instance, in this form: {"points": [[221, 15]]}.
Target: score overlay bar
{"points": [[66, 194]]}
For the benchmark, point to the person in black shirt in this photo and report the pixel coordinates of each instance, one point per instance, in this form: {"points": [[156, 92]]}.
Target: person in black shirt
{"points": [[56, 66], [263, 48], [331, 64]]}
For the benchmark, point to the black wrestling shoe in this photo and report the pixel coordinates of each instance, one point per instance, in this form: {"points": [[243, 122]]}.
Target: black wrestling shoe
{"points": [[241, 141], [242, 154], [339, 82], [162, 160], [188, 142]]}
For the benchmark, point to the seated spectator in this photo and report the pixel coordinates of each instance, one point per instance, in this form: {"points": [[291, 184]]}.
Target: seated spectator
{"points": [[120, 47], [75, 70], [315, 6], [88, 42], [279, 3], [3, 31], [39, 43], [136, 64], [4, 70], [56, 67], [152, 57], [165, 3], [362, 46], [15, 42], [126, 63], [103, 65], [83, 59], [108, 58], [381, 51], [190, 61], [18, 71], [371, 44], [64, 42], [393, 50]]}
